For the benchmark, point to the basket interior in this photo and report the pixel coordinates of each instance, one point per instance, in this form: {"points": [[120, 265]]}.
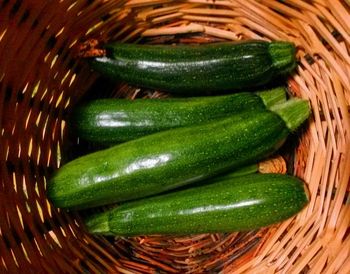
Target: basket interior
{"points": [[42, 79]]}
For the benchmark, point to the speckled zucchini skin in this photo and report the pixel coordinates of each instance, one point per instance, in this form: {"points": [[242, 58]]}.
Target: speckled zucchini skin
{"points": [[111, 121], [166, 160], [237, 204], [197, 69]]}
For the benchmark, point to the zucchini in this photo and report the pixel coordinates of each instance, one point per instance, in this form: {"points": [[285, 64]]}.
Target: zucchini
{"points": [[241, 171], [112, 121], [237, 204], [197, 69], [169, 159]]}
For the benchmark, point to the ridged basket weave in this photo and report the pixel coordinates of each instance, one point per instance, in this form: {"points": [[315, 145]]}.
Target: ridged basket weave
{"points": [[41, 80]]}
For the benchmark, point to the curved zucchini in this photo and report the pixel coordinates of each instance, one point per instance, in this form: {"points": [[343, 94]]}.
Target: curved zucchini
{"points": [[237, 204], [197, 69], [169, 159], [112, 121]]}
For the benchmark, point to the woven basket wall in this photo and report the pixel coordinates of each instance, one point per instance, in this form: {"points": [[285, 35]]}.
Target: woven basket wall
{"points": [[41, 80]]}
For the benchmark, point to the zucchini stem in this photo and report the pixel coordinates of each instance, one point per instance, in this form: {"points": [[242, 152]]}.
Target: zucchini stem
{"points": [[283, 56], [294, 112], [273, 96]]}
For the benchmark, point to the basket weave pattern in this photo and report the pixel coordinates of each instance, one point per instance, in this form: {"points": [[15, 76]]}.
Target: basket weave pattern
{"points": [[41, 80]]}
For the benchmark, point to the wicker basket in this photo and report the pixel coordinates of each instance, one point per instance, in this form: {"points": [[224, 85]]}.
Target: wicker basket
{"points": [[41, 80]]}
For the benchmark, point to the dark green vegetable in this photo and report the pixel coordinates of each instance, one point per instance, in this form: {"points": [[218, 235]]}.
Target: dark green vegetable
{"points": [[197, 69], [241, 171], [111, 121], [169, 159], [237, 204], [245, 170]]}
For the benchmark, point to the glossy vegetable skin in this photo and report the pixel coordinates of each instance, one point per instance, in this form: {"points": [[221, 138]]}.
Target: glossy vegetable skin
{"points": [[197, 69], [236, 204], [169, 159], [111, 121]]}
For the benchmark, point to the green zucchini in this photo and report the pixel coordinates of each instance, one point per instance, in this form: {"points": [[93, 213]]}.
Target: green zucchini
{"points": [[112, 121], [169, 159], [237, 204], [197, 69], [241, 171]]}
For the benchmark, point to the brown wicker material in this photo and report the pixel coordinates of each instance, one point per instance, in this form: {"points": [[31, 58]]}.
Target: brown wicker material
{"points": [[41, 80]]}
